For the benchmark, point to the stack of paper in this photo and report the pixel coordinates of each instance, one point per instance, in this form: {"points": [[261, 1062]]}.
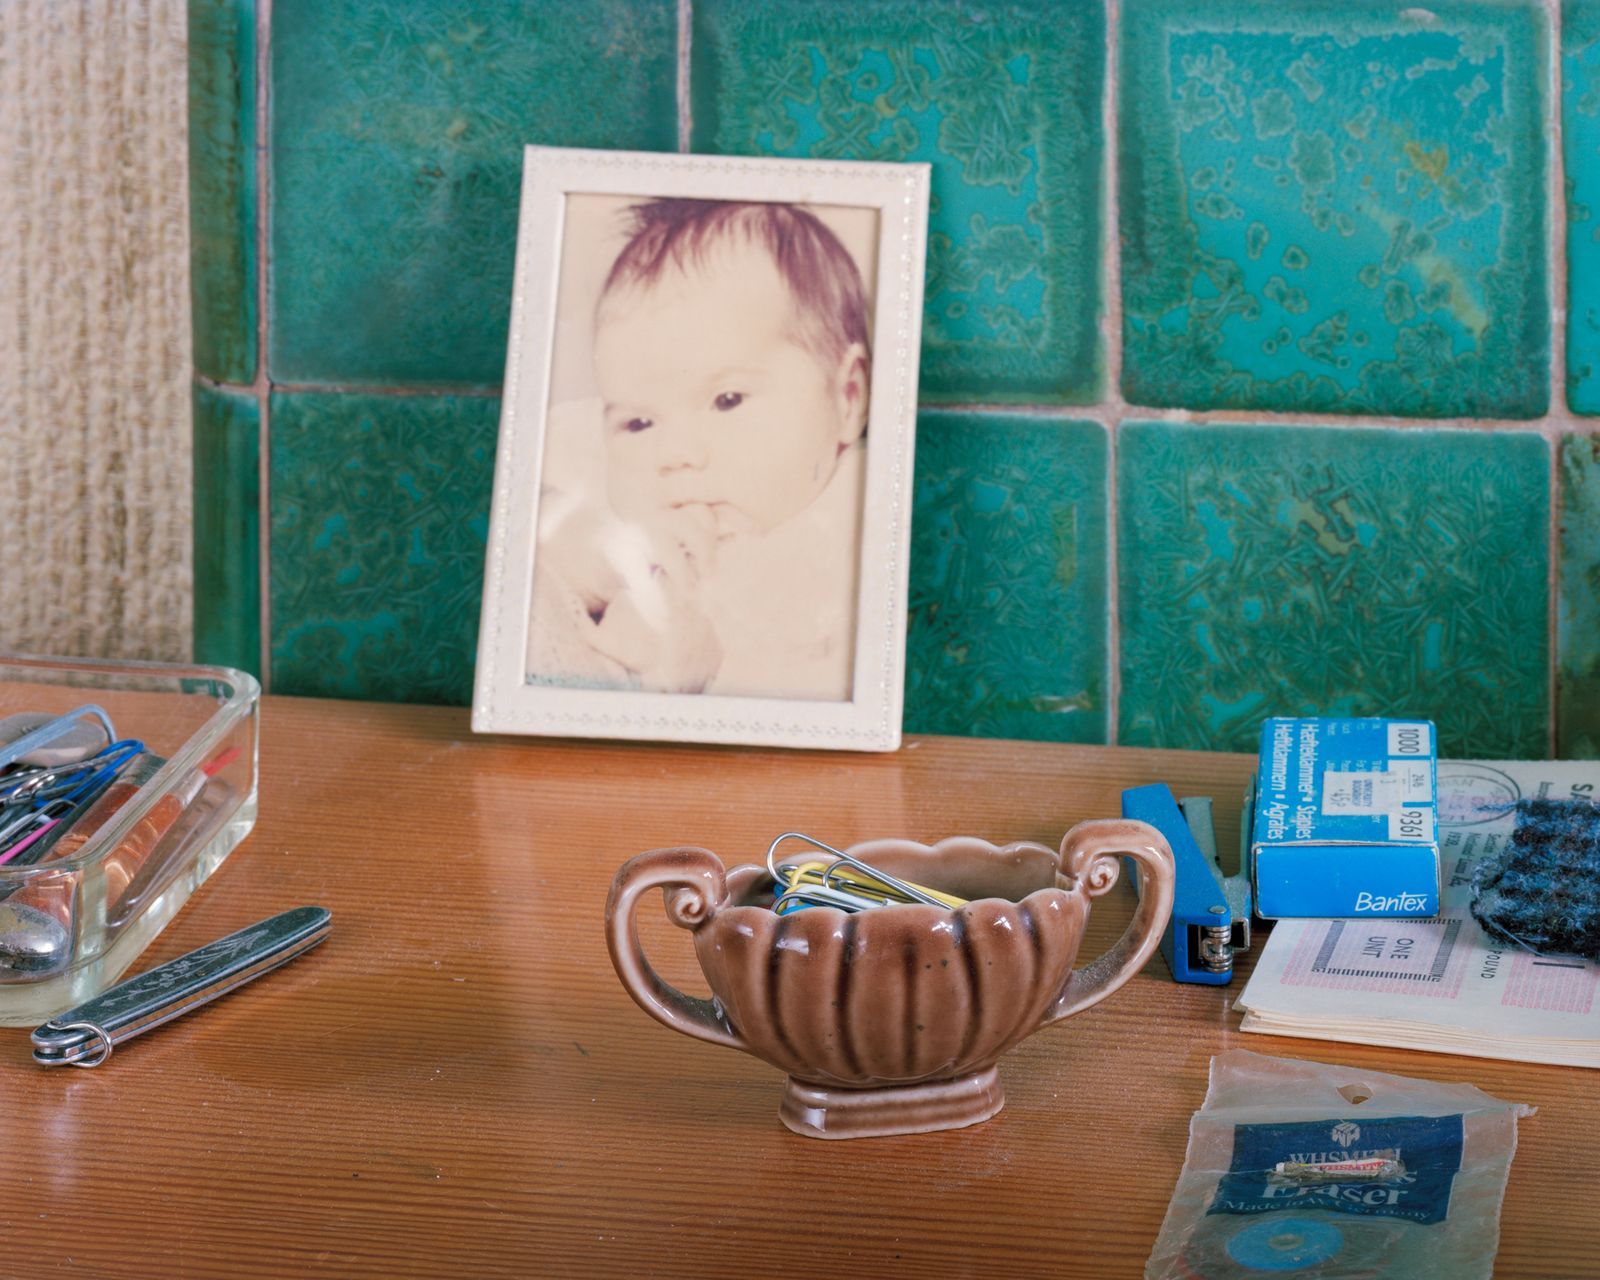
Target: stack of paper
{"points": [[1440, 983]]}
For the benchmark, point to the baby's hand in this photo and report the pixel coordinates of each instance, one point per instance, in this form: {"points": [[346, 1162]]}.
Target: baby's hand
{"points": [[657, 630], [685, 541], [637, 585], [581, 546]]}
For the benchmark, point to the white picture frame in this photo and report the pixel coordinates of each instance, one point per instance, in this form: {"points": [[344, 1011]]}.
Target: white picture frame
{"points": [[589, 346]]}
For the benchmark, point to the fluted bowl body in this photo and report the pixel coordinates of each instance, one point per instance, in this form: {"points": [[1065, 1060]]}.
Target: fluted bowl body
{"points": [[903, 994]]}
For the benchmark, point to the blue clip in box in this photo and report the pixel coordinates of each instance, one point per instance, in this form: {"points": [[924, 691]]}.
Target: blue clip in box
{"points": [[1345, 821]]}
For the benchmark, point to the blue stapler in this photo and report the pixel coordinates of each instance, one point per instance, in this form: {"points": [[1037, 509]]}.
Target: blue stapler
{"points": [[1210, 911]]}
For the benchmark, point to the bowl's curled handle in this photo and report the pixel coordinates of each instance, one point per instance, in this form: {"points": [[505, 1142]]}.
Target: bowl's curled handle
{"points": [[1089, 854], [693, 888]]}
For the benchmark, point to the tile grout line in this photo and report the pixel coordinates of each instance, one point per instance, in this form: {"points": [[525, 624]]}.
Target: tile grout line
{"points": [[1113, 406], [1560, 414], [396, 392], [685, 37], [1110, 409], [263, 385], [1111, 340]]}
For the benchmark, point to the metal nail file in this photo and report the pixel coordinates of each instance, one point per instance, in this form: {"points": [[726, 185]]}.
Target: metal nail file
{"points": [[84, 1036]]}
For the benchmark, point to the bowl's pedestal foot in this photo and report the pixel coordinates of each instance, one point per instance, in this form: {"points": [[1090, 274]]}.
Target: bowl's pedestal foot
{"points": [[827, 1111]]}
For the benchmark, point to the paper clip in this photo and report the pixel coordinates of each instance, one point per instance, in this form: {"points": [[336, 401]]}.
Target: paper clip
{"points": [[48, 732], [34, 786], [26, 785], [846, 883], [47, 801]]}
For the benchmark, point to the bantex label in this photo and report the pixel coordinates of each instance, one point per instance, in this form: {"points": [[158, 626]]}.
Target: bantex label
{"points": [[1427, 1147]]}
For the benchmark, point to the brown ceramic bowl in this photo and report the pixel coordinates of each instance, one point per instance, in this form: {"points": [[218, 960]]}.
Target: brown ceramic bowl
{"points": [[890, 1020]]}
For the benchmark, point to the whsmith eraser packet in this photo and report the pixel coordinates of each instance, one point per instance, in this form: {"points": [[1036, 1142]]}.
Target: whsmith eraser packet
{"points": [[1345, 821]]}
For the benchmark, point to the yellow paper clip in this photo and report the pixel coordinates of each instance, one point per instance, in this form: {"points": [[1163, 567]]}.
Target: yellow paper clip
{"points": [[846, 883]]}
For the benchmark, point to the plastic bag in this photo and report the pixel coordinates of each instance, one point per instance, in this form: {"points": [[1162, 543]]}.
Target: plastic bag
{"points": [[1306, 1171]]}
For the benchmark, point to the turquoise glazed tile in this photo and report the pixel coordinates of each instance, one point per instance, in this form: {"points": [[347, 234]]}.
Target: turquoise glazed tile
{"points": [[1578, 619], [227, 528], [1333, 571], [1002, 99], [397, 143], [222, 187], [1580, 110], [380, 517], [1008, 612], [1334, 207]]}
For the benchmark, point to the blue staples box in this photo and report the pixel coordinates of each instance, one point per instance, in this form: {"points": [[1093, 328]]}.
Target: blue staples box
{"points": [[1344, 821]]}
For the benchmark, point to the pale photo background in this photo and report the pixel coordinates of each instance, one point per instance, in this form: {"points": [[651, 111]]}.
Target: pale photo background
{"points": [[594, 231], [575, 464], [94, 328]]}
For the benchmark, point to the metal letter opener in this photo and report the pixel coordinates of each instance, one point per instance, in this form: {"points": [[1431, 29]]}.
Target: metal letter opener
{"points": [[85, 1036]]}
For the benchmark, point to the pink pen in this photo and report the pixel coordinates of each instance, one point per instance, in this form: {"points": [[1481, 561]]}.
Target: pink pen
{"points": [[17, 848]]}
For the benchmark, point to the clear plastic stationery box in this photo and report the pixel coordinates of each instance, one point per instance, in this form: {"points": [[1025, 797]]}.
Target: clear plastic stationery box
{"points": [[73, 923]]}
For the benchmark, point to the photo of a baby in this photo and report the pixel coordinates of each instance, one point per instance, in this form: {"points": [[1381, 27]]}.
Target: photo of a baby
{"points": [[700, 504]]}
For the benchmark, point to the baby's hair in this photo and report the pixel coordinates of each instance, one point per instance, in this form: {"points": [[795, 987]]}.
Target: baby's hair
{"points": [[819, 271]]}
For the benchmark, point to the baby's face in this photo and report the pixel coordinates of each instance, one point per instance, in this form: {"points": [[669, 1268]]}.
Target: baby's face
{"points": [[714, 410]]}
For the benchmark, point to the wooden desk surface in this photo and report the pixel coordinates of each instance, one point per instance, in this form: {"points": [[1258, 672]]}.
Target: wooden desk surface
{"points": [[457, 1085]]}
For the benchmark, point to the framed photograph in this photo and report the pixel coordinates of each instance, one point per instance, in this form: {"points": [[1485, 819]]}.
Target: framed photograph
{"points": [[702, 494]]}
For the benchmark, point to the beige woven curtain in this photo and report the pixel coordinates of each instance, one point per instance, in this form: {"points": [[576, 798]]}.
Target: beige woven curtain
{"points": [[94, 328]]}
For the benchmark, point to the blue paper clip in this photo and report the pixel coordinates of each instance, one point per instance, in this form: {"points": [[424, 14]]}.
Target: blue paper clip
{"points": [[32, 788], [1210, 911]]}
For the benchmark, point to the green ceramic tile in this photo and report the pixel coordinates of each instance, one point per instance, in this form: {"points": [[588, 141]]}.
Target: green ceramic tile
{"points": [[1578, 619], [227, 528], [380, 517], [1002, 99], [1333, 571], [222, 187], [1335, 207], [1580, 113], [397, 143], [1008, 613]]}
